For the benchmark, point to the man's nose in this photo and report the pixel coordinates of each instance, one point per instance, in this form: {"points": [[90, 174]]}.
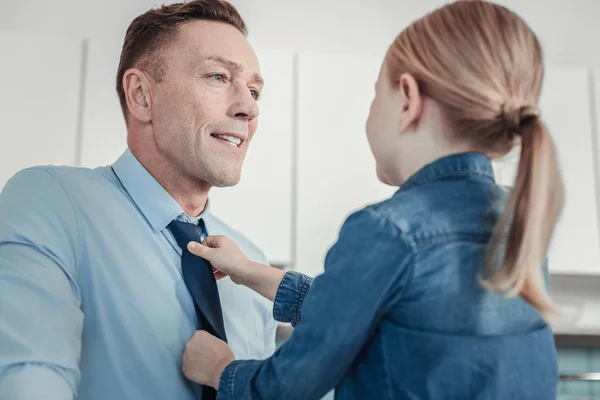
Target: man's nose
{"points": [[245, 106]]}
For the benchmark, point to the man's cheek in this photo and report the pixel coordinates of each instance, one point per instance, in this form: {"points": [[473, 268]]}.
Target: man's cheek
{"points": [[252, 126]]}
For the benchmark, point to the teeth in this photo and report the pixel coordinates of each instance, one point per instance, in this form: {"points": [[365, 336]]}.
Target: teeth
{"points": [[231, 139]]}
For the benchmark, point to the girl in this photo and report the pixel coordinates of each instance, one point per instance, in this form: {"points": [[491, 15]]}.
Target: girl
{"points": [[415, 299]]}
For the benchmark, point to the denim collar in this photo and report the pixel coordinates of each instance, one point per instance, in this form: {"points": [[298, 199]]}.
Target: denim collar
{"points": [[455, 165]]}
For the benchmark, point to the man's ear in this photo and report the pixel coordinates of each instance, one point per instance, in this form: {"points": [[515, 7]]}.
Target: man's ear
{"points": [[411, 102], [136, 85]]}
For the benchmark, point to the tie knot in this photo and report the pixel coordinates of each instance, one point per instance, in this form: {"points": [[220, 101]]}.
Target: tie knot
{"points": [[185, 232]]}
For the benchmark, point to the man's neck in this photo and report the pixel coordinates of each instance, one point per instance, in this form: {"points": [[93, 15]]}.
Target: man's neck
{"points": [[191, 194]]}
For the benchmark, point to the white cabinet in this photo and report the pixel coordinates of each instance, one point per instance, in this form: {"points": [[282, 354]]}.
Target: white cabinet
{"points": [[336, 170], [499, 166], [565, 108], [260, 206], [507, 171], [39, 99], [104, 134]]}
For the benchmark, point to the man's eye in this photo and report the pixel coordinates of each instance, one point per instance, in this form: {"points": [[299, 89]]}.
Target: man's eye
{"points": [[255, 94], [218, 77]]}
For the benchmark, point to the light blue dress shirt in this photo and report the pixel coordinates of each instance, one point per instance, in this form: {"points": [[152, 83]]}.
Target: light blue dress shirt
{"points": [[92, 302]]}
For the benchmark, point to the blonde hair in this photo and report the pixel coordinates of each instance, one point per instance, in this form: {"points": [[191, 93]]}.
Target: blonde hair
{"points": [[483, 65]]}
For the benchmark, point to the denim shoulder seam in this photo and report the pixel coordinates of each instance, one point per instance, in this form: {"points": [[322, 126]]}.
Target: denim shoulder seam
{"points": [[437, 238], [380, 213], [409, 262]]}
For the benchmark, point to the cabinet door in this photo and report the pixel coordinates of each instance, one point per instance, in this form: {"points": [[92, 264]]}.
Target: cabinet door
{"points": [[565, 108], [260, 206], [39, 99], [104, 133], [336, 170]]}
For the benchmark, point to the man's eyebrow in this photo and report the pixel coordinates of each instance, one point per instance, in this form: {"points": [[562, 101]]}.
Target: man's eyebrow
{"points": [[236, 67], [232, 65], [256, 78]]}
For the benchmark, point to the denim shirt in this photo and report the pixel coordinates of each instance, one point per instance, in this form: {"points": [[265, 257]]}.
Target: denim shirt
{"points": [[399, 312]]}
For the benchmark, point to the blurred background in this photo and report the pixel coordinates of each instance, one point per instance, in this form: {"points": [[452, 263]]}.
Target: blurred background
{"points": [[309, 165]]}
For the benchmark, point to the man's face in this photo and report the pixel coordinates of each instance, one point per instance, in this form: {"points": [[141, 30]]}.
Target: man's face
{"points": [[204, 111]]}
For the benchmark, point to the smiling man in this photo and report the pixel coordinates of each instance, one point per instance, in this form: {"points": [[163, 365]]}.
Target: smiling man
{"points": [[98, 294]]}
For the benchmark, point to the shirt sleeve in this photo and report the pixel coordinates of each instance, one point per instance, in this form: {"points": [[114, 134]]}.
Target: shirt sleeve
{"points": [[292, 290], [365, 274], [40, 315]]}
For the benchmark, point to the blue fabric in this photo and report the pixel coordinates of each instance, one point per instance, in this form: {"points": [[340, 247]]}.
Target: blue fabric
{"points": [[399, 312], [200, 281], [93, 305]]}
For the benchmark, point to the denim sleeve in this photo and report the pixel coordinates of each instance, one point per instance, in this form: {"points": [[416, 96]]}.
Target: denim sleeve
{"points": [[366, 273], [290, 297], [40, 316]]}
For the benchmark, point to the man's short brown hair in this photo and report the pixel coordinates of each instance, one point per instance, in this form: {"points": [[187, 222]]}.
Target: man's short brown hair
{"points": [[152, 31]]}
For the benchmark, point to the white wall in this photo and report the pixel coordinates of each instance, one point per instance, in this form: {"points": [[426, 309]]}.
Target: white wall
{"points": [[568, 29]]}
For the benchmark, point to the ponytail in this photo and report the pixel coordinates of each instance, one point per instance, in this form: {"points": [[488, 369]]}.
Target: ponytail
{"points": [[487, 77], [528, 222]]}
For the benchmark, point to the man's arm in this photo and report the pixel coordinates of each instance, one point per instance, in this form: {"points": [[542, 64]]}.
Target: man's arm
{"points": [[40, 316]]}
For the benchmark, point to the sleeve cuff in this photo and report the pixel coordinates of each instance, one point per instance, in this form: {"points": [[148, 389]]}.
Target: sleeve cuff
{"points": [[236, 380], [290, 295], [227, 381]]}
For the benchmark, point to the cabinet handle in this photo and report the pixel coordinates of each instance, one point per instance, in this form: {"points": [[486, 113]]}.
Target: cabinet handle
{"points": [[590, 376]]}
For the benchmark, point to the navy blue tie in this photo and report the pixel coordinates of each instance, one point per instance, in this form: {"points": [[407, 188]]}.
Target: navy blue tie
{"points": [[202, 285]]}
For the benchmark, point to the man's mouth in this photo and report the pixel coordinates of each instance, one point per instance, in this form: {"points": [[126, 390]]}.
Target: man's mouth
{"points": [[232, 140]]}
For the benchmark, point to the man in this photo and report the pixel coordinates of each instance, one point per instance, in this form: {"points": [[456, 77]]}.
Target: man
{"points": [[93, 304]]}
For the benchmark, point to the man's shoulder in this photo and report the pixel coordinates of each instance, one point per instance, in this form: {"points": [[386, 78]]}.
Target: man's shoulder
{"points": [[46, 187], [36, 206], [62, 175], [219, 227]]}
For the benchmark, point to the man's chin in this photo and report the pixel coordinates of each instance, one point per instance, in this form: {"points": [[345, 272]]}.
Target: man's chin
{"points": [[225, 182]]}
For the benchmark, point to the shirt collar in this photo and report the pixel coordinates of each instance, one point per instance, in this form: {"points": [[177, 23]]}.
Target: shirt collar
{"points": [[157, 206], [455, 165]]}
